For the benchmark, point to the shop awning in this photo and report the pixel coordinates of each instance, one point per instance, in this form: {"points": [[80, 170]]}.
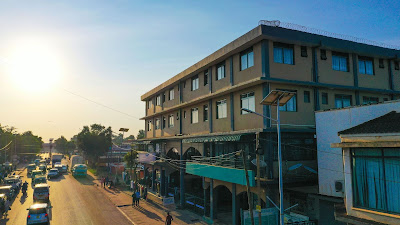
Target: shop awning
{"points": [[222, 138]]}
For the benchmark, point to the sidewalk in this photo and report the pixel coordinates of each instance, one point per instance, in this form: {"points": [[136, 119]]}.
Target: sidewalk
{"points": [[146, 212]]}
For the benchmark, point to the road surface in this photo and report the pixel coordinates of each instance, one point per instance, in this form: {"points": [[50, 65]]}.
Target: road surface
{"points": [[74, 201]]}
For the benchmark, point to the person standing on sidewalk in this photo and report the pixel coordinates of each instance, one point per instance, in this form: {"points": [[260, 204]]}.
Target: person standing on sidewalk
{"points": [[137, 198], [133, 198], [169, 219]]}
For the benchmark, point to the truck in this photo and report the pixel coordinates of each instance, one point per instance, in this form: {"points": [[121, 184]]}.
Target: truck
{"points": [[75, 159], [56, 158], [79, 170]]}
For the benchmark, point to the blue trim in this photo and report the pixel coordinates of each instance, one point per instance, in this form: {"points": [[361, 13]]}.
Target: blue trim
{"points": [[355, 70], [210, 115], [316, 99], [391, 85], [232, 113], [210, 80], [293, 36], [266, 108], [315, 64], [182, 179], [357, 96], [265, 58], [231, 70], [324, 85]]}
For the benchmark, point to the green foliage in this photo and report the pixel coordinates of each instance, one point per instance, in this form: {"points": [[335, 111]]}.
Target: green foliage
{"points": [[140, 134], [131, 162], [94, 141], [63, 145]]}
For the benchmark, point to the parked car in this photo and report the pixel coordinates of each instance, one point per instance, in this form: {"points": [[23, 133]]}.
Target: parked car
{"points": [[38, 214], [43, 168], [53, 173], [41, 193], [15, 181], [8, 191], [39, 180], [30, 168], [35, 173]]}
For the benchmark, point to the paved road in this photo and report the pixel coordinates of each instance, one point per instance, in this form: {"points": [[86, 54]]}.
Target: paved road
{"points": [[74, 201]]}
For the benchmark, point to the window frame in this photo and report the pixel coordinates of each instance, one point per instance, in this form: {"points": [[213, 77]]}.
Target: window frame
{"points": [[171, 118], [323, 54], [194, 119], [195, 82], [247, 96], [157, 124], [341, 97], [158, 100], [149, 125], [164, 121], [303, 51], [282, 47], [205, 113], [323, 95], [221, 103], [246, 53], [171, 97], [340, 55], [381, 63], [366, 59], [149, 104], [368, 100], [218, 77], [205, 77]]}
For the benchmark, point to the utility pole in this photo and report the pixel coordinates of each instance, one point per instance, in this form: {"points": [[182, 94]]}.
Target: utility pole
{"points": [[258, 152], [249, 199]]}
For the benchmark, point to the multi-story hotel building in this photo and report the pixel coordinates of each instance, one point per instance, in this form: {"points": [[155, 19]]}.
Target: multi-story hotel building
{"points": [[198, 113]]}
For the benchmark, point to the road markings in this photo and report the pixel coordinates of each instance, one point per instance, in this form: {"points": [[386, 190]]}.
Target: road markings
{"points": [[126, 216]]}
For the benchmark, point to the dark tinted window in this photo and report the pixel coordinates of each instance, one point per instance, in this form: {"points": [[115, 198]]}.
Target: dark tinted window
{"points": [[41, 190], [37, 211]]}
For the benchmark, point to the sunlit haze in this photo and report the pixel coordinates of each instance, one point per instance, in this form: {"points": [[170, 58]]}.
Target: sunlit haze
{"points": [[67, 64]]}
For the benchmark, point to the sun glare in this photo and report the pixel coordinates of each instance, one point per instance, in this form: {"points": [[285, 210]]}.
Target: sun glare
{"points": [[34, 66]]}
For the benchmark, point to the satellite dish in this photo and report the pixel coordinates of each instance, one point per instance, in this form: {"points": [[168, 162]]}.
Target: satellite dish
{"points": [[295, 167], [310, 169], [262, 163]]}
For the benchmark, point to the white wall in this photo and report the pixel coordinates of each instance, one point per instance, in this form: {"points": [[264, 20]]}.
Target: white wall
{"points": [[328, 124]]}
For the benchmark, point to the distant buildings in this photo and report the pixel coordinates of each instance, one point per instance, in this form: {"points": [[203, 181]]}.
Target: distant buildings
{"points": [[195, 125]]}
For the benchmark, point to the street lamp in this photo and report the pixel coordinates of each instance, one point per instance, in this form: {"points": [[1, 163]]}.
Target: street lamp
{"points": [[277, 98]]}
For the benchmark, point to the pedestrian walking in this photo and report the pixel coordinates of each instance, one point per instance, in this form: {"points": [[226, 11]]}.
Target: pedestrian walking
{"points": [[145, 193], [133, 198], [137, 198], [169, 219], [107, 180], [102, 182], [132, 185]]}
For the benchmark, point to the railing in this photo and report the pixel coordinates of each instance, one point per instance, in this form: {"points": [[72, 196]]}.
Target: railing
{"points": [[194, 204], [303, 223], [231, 161]]}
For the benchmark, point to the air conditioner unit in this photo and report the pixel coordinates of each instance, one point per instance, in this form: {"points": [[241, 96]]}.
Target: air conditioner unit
{"points": [[339, 186]]}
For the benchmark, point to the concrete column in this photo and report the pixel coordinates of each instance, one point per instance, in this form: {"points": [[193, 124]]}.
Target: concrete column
{"points": [[212, 199], [182, 178], [162, 182], [234, 205], [153, 179]]}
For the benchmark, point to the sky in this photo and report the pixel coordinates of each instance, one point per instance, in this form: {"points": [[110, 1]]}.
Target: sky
{"points": [[65, 64]]}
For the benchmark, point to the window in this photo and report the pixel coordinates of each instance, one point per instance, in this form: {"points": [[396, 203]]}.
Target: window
{"points": [[205, 77], [150, 104], [325, 98], [221, 109], [184, 114], [246, 59], [195, 115], [157, 124], [247, 101], [184, 84], [339, 61], [396, 65], [381, 64], [195, 83], [365, 65], [283, 54], [149, 125], [385, 99], [291, 105], [163, 97], [171, 94], [323, 54], [158, 100], [375, 176], [171, 120], [164, 122], [369, 100], [220, 71], [342, 101], [306, 96], [205, 113], [304, 51]]}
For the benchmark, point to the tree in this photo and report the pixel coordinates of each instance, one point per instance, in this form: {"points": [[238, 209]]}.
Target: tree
{"points": [[94, 141], [140, 134], [131, 162], [130, 137], [63, 145]]}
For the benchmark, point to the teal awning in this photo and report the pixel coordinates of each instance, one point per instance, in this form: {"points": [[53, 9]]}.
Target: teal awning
{"points": [[234, 137]]}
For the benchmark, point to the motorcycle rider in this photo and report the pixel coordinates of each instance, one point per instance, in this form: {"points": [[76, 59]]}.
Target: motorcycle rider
{"points": [[24, 187]]}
